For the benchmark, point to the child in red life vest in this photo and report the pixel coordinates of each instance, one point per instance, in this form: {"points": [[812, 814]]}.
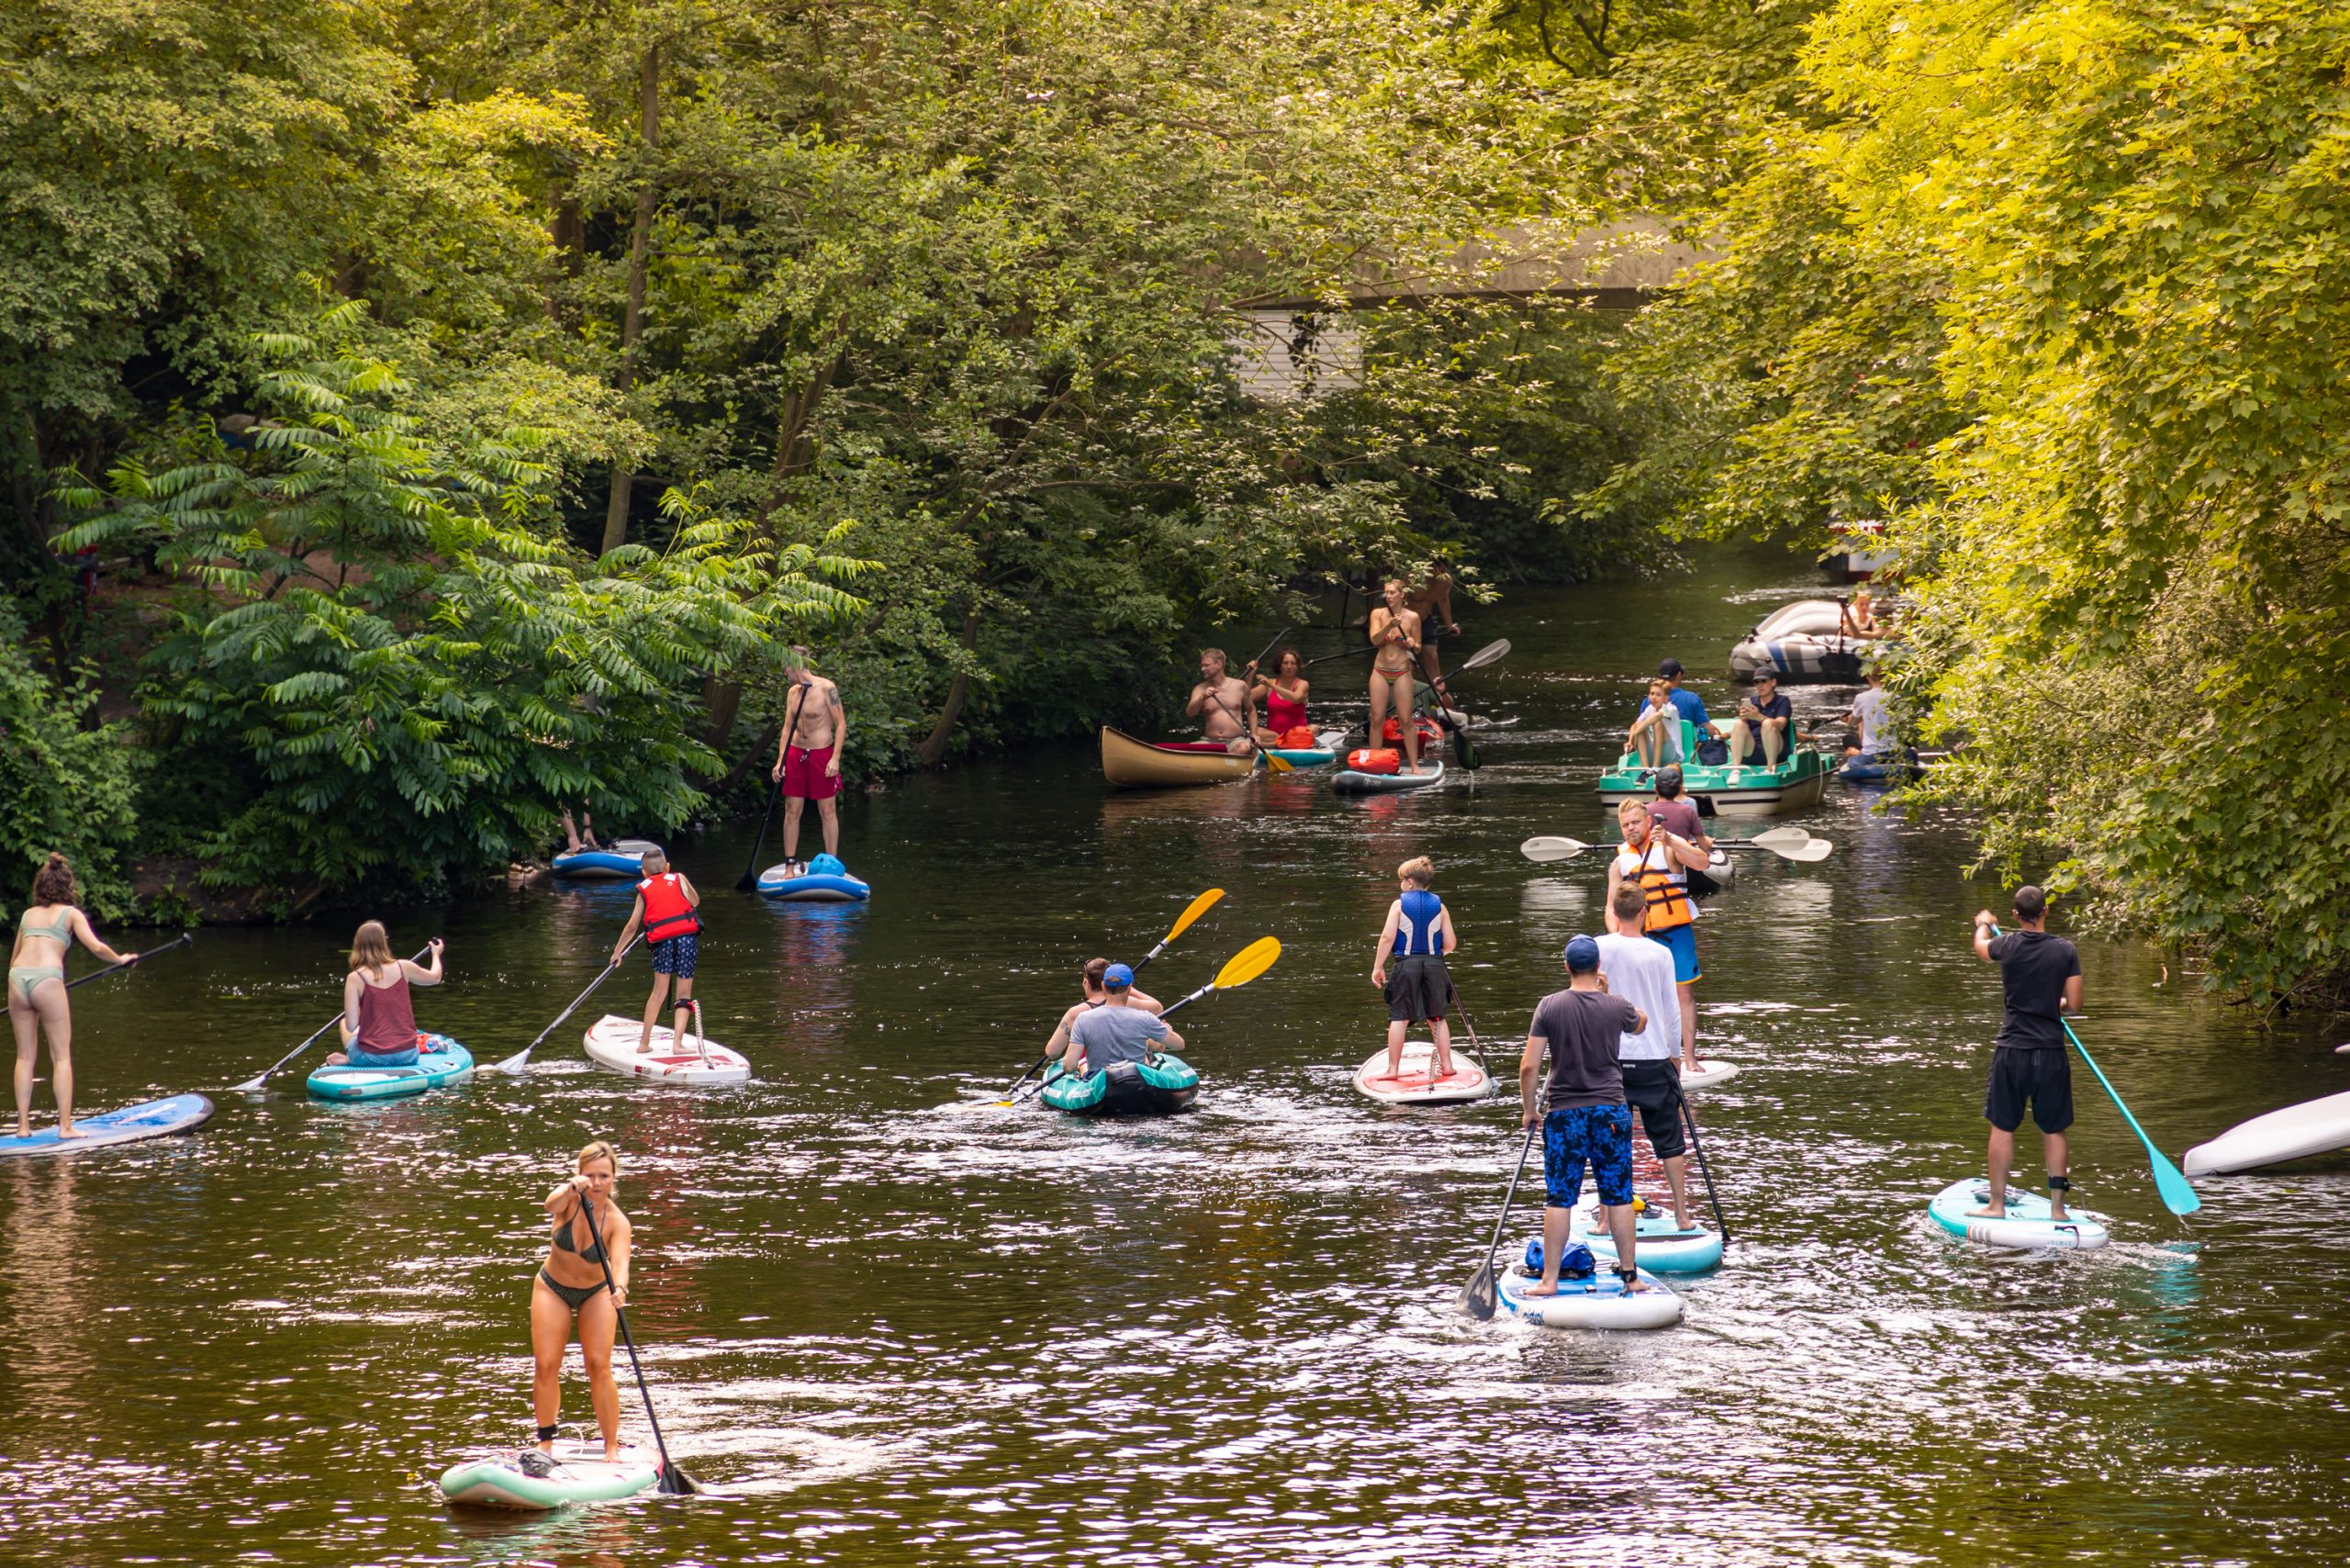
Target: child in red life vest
{"points": [[664, 906]]}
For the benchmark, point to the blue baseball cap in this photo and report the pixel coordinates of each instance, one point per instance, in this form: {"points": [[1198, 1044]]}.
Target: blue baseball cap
{"points": [[1117, 977], [1583, 954]]}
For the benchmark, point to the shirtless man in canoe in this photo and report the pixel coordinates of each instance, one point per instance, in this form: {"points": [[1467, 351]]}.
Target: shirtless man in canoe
{"points": [[808, 757], [1220, 701]]}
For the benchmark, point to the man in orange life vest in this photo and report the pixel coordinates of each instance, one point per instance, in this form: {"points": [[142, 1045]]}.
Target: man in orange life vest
{"points": [[1658, 864], [664, 906]]}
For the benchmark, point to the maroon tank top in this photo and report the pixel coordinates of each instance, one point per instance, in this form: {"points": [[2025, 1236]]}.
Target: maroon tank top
{"points": [[387, 1018]]}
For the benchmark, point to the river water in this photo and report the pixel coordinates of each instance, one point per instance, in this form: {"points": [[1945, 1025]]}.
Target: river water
{"points": [[893, 1325]]}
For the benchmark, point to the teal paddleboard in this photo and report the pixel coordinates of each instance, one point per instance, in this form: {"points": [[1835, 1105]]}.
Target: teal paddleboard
{"points": [[2028, 1221], [439, 1060], [530, 1482]]}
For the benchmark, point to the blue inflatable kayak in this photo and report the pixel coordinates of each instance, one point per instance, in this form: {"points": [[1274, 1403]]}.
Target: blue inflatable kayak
{"points": [[439, 1060], [625, 860], [156, 1118], [813, 887]]}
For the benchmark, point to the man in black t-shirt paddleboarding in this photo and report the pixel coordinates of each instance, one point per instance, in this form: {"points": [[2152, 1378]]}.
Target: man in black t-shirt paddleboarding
{"points": [[2042, 975]]}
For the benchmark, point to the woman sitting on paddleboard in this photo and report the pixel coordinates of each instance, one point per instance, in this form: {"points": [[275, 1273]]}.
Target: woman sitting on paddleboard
{"points": [[1283, 693], [37, 1001], [570, 1286], [378, 1018]]}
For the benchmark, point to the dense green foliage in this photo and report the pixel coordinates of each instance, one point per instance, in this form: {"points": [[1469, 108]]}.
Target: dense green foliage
{"points": [[2059, 290], [612, 320], [63, 786]]}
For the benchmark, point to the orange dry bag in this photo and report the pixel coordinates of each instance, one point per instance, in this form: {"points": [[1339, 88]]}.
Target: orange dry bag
{"points": [[1362, 761], [1299, 738]]}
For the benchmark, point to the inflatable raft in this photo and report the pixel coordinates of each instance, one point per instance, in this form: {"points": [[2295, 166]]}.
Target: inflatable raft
{"points": [[1804, 642], [1415, 1085], [2314, 1126], [1159, 1087], [1598, 1302], [2026, 1224], [623, 860], [693, 1063], [440, 1061], [530, 1481], [132, 1124]]}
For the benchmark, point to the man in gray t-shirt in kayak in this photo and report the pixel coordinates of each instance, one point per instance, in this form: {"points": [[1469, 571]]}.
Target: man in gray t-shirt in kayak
{"points": [[1116, 1031]]}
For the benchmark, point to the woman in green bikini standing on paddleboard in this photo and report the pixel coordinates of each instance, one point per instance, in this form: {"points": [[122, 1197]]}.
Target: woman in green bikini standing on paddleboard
{"points": [[37, 1003], [570, 1285]]}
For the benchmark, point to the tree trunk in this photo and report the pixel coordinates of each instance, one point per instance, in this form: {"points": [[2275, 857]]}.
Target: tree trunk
{"points": [[933, 749], [794, 451], [721, 700], [648, 94]]}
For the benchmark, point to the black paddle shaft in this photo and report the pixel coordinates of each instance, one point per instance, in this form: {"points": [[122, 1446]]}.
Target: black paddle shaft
{"points": [[673, 1481], [750, 877], [184, 938], [1689, 1120], [1480, 1302]]}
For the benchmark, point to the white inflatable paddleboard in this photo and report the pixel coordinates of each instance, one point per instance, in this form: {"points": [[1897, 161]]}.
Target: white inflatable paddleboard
{"points": [[156, 1118], [578, 1472], [1658, 1240], [1599, 1301], [1413, 1083], [692, 1062], [1346, 781], [1708, 1073], [2026, 1224], [2314, 1126]]}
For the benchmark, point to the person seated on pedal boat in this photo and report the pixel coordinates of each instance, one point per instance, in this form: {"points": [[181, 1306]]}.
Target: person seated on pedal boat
{"points": [[1765, 724], [1096, 995], [1655, 734], [1867, 715], [1117, 1030], [379, 1026]]}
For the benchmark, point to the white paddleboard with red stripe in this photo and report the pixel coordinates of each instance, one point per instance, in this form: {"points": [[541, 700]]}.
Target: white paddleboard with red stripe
{"points": [[1413, 1084], [693, 1062]]}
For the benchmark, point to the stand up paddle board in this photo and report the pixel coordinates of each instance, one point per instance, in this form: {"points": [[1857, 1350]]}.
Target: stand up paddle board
{"points": [[575, 1472], [156, 1118], [2026, 1224], [1413, 1084], [1710, 1074], [622, 861], [1346, 781], [2314, 1126], [1659, 1241], [698, 1064], [439, 1060], [1599, 1301]]}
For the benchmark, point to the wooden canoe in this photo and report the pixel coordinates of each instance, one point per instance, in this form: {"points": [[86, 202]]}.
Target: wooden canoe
{"points": [[1137, 765]]}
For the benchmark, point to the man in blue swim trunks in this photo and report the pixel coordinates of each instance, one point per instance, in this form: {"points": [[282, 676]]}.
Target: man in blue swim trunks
{"points": [[1582, 1029]]}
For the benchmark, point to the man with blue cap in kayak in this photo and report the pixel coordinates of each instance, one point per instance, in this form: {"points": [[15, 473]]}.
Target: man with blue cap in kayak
{"points": [[1118, 1030], [2040, 975], [1582, 1029], [1091, 978]]}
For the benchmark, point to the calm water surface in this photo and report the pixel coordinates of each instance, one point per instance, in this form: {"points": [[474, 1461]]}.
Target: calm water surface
{"points": [[895, 1326]]}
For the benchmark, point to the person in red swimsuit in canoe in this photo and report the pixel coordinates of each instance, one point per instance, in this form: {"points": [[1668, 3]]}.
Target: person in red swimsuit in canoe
{"points": [[1283, 694], [808, 757]]}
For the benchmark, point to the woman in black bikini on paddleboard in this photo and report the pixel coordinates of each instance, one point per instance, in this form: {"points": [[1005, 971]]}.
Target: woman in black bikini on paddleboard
{"points": [[570, 1285]]}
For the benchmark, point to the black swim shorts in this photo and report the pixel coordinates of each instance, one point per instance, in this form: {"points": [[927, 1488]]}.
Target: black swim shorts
{"points": [[1419, 988], [2040, 1076], [1653, 1089]]}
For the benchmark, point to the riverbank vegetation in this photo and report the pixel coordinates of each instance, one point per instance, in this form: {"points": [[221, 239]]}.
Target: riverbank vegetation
{"points": [[2060, 292], [419, 420], [456, 411]]}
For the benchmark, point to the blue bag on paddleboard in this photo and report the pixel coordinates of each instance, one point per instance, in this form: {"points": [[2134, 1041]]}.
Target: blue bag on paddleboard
{"points": [[1576, 1263], [827, 865]]}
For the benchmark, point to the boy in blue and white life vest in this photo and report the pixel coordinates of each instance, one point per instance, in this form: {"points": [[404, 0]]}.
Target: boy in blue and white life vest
{"points": [[664, 906], [1418, 936]]}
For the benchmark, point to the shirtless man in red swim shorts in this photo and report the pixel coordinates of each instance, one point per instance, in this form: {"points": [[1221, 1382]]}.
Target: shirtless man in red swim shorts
{"points": [[808, 757]]}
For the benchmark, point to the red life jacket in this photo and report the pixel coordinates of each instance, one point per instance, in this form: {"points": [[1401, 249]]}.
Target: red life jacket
{"points": [[666, 912]]}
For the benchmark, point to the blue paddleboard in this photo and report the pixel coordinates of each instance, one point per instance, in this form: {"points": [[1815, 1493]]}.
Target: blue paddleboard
{"points": [[2026, 1223], [156, 1118]]}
